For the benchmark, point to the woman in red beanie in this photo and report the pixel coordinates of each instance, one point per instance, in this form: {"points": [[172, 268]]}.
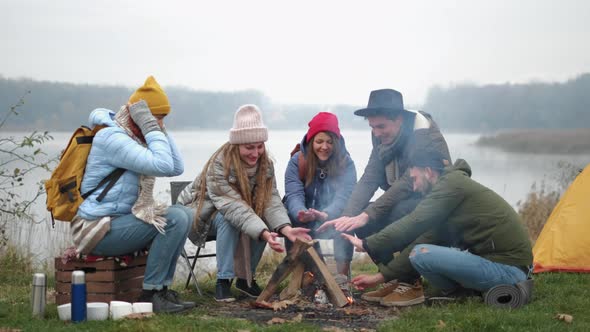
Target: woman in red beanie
{"points": [[319, 180]]}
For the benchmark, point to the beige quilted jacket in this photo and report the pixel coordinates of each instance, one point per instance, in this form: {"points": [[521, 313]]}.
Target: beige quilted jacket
{"points": [[223, 198]]}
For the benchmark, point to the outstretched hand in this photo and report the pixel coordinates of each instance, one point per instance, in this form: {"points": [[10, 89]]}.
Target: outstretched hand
{"points": [[345, 224], [271, 239], [355, 241], [367, 280], [294, 233], [319, 215], [305, 216], [310, 215], [330, 224]]}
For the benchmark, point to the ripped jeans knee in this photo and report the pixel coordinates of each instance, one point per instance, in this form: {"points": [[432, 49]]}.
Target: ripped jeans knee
{"points": [[421, 256], [419, 249]]}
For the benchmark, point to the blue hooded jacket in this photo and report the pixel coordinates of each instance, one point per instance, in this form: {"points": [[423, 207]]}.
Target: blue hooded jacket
{"points": [[113, 148], [329, 195]]}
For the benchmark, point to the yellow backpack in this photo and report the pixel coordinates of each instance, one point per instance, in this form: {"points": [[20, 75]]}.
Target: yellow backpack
{"points": [[63, 188]]}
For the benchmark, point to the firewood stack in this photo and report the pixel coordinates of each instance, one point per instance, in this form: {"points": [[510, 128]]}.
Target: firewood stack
{"points": [[306, 269]]}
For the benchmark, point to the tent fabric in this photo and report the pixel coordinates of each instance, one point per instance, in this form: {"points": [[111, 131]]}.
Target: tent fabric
{"points": [[564, 242]]}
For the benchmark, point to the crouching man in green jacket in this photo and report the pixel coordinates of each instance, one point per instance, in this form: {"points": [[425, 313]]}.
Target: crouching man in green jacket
{"points": [[475, 238]]}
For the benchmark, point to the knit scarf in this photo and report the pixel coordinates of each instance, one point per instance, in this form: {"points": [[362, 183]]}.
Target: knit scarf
{"points": [[242, 255], [145, 207], [250, 170], [387, 152]]}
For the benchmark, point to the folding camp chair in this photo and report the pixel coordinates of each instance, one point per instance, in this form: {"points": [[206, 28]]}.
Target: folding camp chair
{"points": [[176, 188]]}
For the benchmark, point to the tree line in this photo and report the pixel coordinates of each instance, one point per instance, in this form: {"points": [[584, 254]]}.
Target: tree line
{"points": [[57, 106], [535, 105]]}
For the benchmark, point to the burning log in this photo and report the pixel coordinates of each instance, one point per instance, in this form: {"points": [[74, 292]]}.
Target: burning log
{"points": [[288, 264], [337, 297], [307, 279], [295, 284], [303, 255]]}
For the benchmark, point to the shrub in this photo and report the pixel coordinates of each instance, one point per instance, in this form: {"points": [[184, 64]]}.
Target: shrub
{"points": [[542, 199], [14, 265], [537, 207], [19, 158]]}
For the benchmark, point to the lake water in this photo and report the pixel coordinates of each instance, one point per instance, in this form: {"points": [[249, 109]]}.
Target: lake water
{"points": [[509, 174]]}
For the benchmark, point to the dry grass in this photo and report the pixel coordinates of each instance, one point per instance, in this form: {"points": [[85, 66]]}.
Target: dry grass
{"points": [[10, 256], [535, 209], [37, 240], [540, 141]]}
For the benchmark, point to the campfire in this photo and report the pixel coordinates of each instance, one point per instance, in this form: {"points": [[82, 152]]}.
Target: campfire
{"points": [[310, 281], [312, 295]]}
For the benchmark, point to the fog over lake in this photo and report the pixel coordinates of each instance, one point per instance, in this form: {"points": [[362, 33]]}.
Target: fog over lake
{"points": [[509, 174]]}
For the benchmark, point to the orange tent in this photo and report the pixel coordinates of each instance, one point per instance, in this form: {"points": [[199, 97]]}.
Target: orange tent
{"points": [[564, 242]]}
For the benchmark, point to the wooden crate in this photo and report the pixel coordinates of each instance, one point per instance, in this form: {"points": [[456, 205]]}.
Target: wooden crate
{"points": [[105, 280]]}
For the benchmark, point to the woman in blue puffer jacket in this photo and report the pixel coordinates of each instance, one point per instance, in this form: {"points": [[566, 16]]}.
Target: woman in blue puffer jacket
{"points": [[319, 180], [127, 218]]}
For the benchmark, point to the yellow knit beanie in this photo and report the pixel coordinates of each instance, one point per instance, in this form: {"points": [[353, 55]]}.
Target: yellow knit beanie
{"points": [[153, 95]]}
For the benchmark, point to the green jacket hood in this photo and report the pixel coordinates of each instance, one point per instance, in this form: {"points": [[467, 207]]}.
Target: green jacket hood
{"points": [[459, 165]]}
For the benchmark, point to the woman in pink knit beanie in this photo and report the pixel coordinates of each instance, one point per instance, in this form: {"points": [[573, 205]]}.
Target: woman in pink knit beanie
{"points": [[237, 201]]}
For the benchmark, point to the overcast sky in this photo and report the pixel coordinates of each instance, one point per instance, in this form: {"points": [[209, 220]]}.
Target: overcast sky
{"points": [[296, 51]]}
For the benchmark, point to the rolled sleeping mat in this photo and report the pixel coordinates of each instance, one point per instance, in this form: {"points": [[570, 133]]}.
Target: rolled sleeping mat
{"points": [[510, 296], [526, 287]]}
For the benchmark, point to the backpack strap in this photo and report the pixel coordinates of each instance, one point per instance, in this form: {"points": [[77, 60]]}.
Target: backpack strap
{"points": [[84, 139], [295, 149], [302, 162], [112, 178]]}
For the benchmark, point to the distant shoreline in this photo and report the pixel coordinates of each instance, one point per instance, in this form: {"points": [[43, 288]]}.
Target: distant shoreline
{"points": [[531, 141], [549, 141]]}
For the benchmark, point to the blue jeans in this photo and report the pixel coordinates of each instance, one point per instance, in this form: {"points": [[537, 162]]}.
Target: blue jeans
{"points": [[227, 237], [448, 268], [129, 234]]}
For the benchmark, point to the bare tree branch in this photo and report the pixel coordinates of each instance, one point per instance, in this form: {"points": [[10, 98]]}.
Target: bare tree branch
{"points": [[19, 157]]}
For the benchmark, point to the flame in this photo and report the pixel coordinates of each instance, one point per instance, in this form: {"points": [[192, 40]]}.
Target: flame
{"points": [[307, 279], [350, 299]]}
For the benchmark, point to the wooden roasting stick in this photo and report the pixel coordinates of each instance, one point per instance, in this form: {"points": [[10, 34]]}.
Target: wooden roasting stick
{"points": [[337, 296], [289, 263]]}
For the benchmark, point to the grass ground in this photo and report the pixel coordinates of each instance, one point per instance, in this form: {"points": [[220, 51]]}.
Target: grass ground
{"points": [[555, 293]]}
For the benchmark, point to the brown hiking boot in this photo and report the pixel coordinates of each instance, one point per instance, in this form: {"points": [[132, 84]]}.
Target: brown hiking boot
{"points": [[377, 295], [404, 295]]}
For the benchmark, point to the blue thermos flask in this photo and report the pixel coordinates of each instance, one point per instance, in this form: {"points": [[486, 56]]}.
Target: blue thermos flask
{"points": [[78, 296]]}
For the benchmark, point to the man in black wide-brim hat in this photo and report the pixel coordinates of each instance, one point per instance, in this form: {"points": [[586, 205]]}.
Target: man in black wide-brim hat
{"points": [[396, 132]]}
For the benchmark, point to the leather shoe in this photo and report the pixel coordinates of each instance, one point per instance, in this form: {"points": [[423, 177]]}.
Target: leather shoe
{"points": [[174, 297], [252, 291], [223, 291], [162, 305]]}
